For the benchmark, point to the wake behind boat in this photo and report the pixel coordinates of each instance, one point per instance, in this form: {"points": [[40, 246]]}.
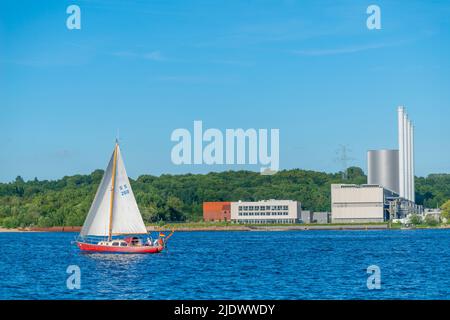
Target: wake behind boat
{"points": [[114, 214]]}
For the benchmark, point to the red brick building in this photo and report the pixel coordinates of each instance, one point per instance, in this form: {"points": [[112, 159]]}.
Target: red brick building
{"points": [[216, 211]]}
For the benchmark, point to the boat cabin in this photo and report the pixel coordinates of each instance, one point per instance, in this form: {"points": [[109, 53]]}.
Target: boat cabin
{"points": [[127, 242], [114, 243]]}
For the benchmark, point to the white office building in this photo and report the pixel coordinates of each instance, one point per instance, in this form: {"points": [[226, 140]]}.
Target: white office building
{"points": [[266, 212]]}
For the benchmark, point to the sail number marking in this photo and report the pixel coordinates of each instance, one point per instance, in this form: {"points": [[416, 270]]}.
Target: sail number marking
{"points": [[124, 190]]}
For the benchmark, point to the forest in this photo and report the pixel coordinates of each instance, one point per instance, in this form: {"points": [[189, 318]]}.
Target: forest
{"points": [[176, 198]]}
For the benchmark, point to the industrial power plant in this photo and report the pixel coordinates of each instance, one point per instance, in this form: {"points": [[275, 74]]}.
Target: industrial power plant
{"points": [[389, 192]]}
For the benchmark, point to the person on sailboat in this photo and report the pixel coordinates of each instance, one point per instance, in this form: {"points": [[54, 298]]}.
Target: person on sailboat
{"points": [[161, 239]]}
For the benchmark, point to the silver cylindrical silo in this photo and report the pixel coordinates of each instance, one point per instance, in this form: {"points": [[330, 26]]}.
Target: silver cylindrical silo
{"points": [[383, 169]]}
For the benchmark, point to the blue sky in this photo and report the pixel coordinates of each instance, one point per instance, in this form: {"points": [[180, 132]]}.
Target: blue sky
{"points": [[310, 68]]}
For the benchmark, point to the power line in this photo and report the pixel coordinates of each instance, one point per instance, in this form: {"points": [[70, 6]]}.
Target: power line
{"points": [[343, 158]]}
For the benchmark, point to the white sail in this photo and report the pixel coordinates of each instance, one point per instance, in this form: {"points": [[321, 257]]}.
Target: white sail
{"points": [[126, 218], [97, 220]]}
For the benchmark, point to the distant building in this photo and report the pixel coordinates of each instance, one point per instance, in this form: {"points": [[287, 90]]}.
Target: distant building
{"points": [[352, 203], [434, 213], [321, 217], [216, 211], [306, 216], [266, 212], [309, 217]]}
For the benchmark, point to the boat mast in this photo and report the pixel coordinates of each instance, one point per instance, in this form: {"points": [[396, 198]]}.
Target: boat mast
{"points": [[113, 185]]}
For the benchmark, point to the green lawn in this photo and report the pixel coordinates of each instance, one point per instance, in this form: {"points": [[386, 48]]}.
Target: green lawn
{"points": [[229, 224]]}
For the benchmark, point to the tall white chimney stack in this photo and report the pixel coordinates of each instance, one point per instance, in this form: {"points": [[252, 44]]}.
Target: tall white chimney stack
{"points": [[406, 155], [408, 159], [413, 195], [401, 150]]}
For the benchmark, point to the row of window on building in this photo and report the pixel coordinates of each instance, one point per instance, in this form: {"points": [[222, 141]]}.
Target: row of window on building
{"points": [[269, 211], [285, 213], [266, 221], [262, 208]]}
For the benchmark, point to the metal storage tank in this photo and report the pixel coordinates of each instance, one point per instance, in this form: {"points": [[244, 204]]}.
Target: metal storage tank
{"points": [[383, 169]]}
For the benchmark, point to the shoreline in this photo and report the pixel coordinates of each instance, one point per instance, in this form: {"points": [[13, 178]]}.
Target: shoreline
{"points": [[260, 228], [272, 228]]}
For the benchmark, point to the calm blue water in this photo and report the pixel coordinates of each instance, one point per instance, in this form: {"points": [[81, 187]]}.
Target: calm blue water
{"points": [[234, 265]]}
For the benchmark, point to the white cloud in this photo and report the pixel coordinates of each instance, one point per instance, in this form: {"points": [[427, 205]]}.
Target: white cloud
{"points": [[153, 55], [351, 49]]}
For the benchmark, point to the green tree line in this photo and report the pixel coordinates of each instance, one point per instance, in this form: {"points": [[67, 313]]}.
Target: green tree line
{"points": [[170, 198]]}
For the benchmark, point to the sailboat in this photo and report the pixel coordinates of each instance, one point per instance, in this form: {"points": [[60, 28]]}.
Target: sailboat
{"points": [[114, 214]]}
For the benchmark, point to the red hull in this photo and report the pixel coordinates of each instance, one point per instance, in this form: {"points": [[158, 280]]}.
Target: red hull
{"points": [[110, 249]]}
